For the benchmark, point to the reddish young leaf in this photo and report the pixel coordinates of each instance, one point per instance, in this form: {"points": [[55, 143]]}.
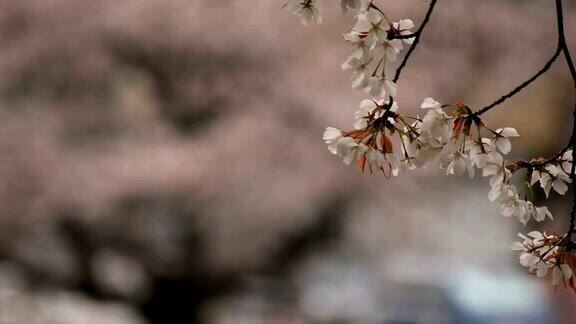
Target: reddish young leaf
{"points": [[362, 163]]}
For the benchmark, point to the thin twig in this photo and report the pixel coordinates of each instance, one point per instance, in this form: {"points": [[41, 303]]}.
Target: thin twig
{"points": [[523, 85], [555, 157], [402, 36], [417, 35]]}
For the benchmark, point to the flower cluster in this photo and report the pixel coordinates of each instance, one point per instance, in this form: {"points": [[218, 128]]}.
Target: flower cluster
{"points": [[542, 253], [450, 138], [373, 46], [454, 136], [370, 143], [385, 140]]}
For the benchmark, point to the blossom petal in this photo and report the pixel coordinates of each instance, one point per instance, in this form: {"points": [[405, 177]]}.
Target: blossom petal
{"points": [[503, 145], [509, 132]]}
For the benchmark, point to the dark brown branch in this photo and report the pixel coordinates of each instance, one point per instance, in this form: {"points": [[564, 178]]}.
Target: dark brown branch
{"points": [[561, 49], [523, 85], [562, 43], [402, 36], [417, 36], [555, 157], [572, 226]]}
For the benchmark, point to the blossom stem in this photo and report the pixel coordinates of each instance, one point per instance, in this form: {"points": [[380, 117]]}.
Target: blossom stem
{"points": [[378, 66], [372, 5], [416, 35]]}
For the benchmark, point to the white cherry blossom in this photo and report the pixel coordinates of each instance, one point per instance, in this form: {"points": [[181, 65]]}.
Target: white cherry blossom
{"points": [[479, 152], [530, 212], [457, 163], [391, 167], [415, 154], [538, 213], [353, 36], [359, 73], [554, 178], [378, 160], [430, 103], [404, 26], [535, 176], [503, 191], [348, 149], [428, 153], [367, 107], [388, 50], [512, 205], [528, 260], [331, 137], [359, 58], [541, 213], [496, 168], [437, 126], [515, 207], [533, 252], [501, 140], [495, 192], [375, 159], [374, 25], [307, 10], [380, 88]]}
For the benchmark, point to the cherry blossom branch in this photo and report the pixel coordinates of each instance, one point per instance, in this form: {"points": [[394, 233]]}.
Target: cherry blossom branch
{"points": [[417, 35], [452, 137], [555, 157], [572, 226], [402, 36], [562, 48], [526, 83], [563, 44]]}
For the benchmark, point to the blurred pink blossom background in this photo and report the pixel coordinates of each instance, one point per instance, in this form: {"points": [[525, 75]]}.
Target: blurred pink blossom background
{"points": [[162, 162]]}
